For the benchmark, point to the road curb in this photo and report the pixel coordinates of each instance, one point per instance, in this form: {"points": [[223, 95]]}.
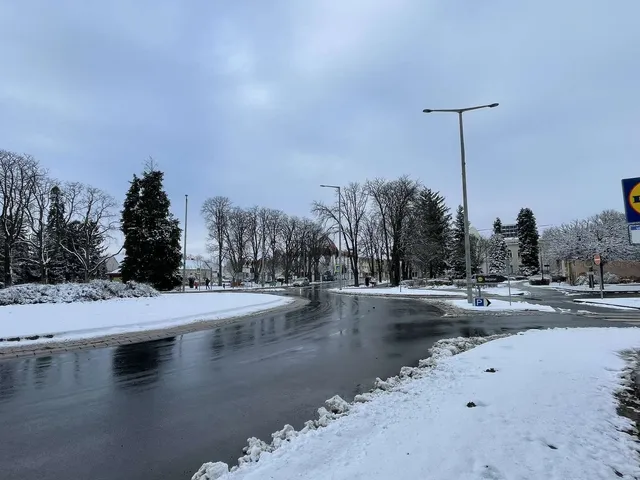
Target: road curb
{"points": [[53, 347]]}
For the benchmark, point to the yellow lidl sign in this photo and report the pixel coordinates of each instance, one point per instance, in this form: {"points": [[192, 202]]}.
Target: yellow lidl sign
{"points": [[631, 195]]}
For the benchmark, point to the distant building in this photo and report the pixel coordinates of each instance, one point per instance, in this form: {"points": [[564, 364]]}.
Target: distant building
{"points": [[509, 231]]}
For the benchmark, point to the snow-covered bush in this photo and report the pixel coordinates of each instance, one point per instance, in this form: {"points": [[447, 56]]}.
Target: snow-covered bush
{"points": [[609, 279], [74, 292]]}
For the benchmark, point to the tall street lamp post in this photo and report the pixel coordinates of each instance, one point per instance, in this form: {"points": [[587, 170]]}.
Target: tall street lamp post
{"points": [[335, 187], [465, 206], [184, 247]]}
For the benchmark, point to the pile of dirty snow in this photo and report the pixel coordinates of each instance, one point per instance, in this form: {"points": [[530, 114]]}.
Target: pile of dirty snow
{"points": [[33, 293]]}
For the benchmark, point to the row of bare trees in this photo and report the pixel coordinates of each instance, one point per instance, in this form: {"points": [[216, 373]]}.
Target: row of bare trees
{"points": [[397, 228], [264, 241], [50, 231], [375, 219]]}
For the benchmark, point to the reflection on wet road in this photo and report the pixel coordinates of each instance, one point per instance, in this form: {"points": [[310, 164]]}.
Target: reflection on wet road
{"points": [[158, 410]]}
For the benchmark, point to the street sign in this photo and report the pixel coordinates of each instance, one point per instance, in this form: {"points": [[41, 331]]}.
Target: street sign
{"points": [[490, 278], [481, 302], [597, 259], [634, 233], [631, 195]]}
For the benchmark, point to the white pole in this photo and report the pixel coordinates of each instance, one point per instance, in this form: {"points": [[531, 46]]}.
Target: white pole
{"points": [[184, 255], [340, 235]]}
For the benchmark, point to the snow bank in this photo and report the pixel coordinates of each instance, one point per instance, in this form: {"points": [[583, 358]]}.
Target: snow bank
{"points": [[80, 320], [405, 291], [525, 407], [627, 303], [502, 290], [73, 292], [336, 407], [501, 306]]}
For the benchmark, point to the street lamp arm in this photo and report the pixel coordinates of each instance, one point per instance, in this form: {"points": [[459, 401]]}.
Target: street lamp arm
{"points": [[458, 110]]}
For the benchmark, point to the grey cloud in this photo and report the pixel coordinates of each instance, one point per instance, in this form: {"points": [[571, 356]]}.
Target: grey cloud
{"points": [[262, 101]]}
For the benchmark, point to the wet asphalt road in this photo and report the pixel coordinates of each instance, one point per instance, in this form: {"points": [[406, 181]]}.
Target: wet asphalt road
{"points": [[158, 410]]}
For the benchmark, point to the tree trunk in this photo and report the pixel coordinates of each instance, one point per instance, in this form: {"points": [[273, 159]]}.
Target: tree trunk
{"points": [[219, 264], [8, 274]]}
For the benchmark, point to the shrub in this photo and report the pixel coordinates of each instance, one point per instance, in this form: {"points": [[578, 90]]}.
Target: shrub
{"points": [[74, 292]]}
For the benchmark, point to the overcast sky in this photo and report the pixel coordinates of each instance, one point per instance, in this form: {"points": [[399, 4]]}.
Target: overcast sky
{"points": [[263, 100]]}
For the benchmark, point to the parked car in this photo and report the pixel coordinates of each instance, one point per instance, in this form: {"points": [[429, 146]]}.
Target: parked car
{"points": [[327, 277], [301, 282]]}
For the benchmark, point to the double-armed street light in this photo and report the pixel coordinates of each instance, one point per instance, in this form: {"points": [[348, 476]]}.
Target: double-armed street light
{"points": [[467, 239]]}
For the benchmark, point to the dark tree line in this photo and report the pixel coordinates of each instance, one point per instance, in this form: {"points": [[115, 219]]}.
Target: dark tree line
{"points": [[50, 231]]}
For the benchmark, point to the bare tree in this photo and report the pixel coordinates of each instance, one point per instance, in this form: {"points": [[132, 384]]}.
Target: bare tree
{"points": [[373, 243], [274, 221], [238, 234], [37, 240], [315, 245], [354, 209], [378, 190], [394, 200], [18, 179], [215, 211], [96, 219], [290, 231], [257, 238]]}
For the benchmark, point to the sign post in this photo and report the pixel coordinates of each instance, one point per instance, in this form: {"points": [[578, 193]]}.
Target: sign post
{"points": [[634, 233], [508, 275], [481, 302], [598, 261]]}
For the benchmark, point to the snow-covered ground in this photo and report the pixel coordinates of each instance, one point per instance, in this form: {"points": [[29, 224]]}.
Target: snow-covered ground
{"points": [[501, 306], [216, 288], [362, 290], [502, 290], [624, 287], [631, 303], [546, 412], [79, 320]]}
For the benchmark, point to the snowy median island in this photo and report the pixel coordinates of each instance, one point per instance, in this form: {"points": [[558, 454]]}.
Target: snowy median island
{"points": [[496, 305], [397, 291], [58, 313], [537, 405]]}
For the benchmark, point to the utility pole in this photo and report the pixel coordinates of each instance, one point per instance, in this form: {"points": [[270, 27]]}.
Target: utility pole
{"points": [[263, 254], [465, 205], [184, 247], [335, 187]]}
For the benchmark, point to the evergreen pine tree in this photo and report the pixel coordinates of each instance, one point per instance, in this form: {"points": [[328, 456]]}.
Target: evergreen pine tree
{"points": [[498, 254], [152, 234], [497, 226], [528, 242], [457, 259], [56, 235], [431, 231], [131, 225]]}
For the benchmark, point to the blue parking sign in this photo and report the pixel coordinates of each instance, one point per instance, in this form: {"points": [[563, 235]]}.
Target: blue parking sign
{"points": [[478, 302]]}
